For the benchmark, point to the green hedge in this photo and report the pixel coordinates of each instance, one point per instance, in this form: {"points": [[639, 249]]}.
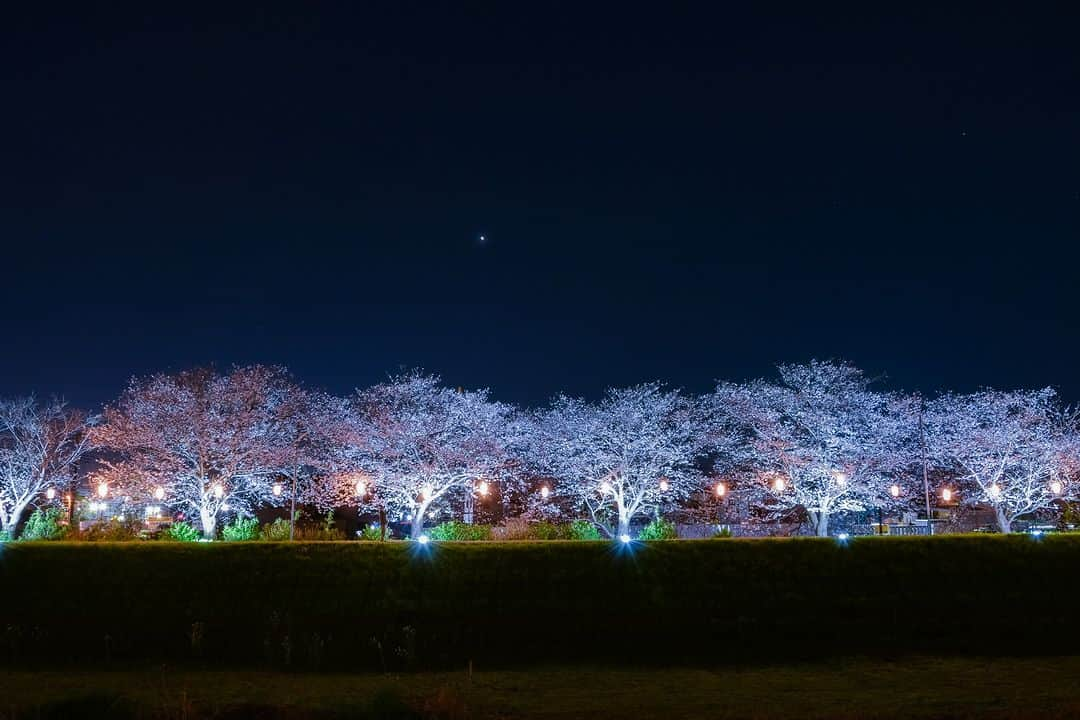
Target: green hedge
{"points": [[400, 605]]}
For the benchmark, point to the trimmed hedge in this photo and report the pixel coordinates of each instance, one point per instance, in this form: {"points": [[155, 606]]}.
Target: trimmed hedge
{"points": [[399, 606]]}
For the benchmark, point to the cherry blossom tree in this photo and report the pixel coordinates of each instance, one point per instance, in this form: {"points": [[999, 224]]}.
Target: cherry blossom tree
{"points": [[424, 445], [40, 447], [632, 452], [203, 442], [1013, 450], [821, 441]]}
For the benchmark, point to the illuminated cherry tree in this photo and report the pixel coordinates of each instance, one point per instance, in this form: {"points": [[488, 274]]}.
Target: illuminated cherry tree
{"points": [[425, 445], [202, 442], [40, 447], [1011, 450], [628, 454], [821, 441]]}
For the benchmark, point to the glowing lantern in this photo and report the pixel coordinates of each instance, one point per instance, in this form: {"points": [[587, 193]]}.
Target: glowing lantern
{"points": [[946, 495], [779, 485], [664, 485], [894, 490], [994, 491], [721, 489], [102, 489], [483, 488], [276, 489], [159, 493], [545, 491], [50, 493], [1056, 487]]}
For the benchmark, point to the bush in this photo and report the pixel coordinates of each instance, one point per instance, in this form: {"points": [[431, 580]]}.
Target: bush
{"points": [[522, 529], [44, 525], [512, 529], [181, 532], [372, 532], [723, 532], [113, 530], [584, 530], [277, 531], [241, 530], [659, 529], [454, 530]]}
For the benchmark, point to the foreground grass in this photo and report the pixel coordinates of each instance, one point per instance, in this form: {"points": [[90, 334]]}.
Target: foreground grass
{"points": [[911, 688]]}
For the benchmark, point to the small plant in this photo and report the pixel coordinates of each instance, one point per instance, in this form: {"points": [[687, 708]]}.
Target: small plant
{"points": [[372, 532], [545, 530], [659, 529], [277, 531], [241, 529], [723, 532], [584, 530], [454, 530], [44, 525], [181, 532]]}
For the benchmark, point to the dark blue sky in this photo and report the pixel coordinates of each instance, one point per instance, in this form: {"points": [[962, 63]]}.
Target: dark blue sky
{"points": [[668, 195]]}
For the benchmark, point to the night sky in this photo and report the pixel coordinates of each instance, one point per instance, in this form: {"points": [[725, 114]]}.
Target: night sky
{"points": [[666, 195]]}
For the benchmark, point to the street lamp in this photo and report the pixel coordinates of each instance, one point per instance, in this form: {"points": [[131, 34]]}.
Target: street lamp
{"points": [[894, 490], [545, 491], [664, 485], [778, 485], [1056, 487], [102, 489], [50, 493], [159, 493], [946, 495], [721, 489], [276, 489], [483, 488]]}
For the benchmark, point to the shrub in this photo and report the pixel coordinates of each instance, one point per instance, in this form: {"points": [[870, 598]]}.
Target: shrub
{"points": [[241, 529], [181, 532], [113, 530], [584, 530], [723, 532], [545, 530], [277, 531], [5, 536], [659, 529], [317, 534], [44, 525], [454, 530], [512, 529], [372, 532]]}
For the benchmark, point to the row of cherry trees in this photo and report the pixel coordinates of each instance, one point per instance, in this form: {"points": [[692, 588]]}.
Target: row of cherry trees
{"points": [[819, 441]]}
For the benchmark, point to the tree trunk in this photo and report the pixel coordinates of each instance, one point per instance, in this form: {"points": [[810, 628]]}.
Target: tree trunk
{"points": [[11, 521], [624, 523], [209, 523], [470, 507], [1004, 524], [418, 522], [820, 522]]}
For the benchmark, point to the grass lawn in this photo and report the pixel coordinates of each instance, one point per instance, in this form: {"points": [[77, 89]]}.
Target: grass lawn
{"points": [[911, 688]]}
